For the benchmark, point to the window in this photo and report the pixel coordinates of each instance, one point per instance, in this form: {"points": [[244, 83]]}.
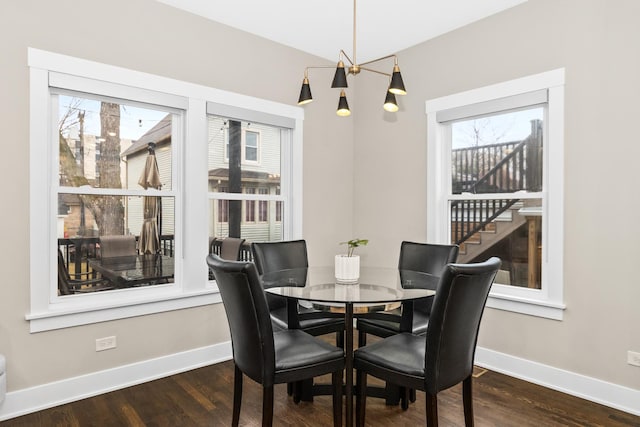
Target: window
{"points": [[251, 146], [263, 206], [492, 154], [93, 206], [251, 190], [278, 207], [223, 207], [250, 207], [249, 143], [92, 129]]}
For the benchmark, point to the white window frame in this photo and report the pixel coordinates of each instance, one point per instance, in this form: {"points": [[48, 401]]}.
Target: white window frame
{"points": [[545, 302], [191, 287]]}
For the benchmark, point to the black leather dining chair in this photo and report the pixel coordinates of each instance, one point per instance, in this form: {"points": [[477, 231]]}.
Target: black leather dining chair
{"points": [[444, 356], [419, 257], [274, 256], [265, 356]]}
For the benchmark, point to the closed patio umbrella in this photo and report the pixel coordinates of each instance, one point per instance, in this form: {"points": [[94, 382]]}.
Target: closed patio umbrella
{"points": [[149, 242]]}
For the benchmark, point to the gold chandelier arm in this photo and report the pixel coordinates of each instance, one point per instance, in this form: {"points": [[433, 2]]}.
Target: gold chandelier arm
{"points": [[343, 53], [306, 70], [375, 71], [395, 59]]}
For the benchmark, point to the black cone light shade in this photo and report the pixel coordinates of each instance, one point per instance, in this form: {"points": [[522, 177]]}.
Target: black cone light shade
{"points": [[305, 93], [390, 103], [340, 78], [397, 85], [343, 106]]}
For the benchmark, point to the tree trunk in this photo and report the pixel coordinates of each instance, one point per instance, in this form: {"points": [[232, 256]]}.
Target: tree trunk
{"points": [[110, 218]]}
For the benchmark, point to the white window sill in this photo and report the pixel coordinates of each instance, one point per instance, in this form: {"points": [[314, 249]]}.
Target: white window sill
{"points": [[69, 316], [533, 307]]}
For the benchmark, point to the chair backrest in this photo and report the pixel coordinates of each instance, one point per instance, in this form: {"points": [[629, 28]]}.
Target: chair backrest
{"points": [[248, 316], [452, 332], [230, 248], [112, 246], [426, 257], [273, 256]]}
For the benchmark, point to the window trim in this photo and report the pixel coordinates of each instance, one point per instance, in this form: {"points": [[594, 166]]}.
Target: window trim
{"points": [[547, 302], [192, 287]]}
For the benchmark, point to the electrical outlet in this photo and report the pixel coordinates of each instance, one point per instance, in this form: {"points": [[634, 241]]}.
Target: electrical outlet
{"points": [[633, 358], [105, 343]]}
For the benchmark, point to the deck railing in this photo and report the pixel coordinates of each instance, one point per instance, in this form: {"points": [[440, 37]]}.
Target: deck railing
{"points": [[78, 250], [495, 168]]}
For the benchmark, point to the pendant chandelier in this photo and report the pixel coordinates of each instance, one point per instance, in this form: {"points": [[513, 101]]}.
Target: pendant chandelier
{"points": [[396, 85]]}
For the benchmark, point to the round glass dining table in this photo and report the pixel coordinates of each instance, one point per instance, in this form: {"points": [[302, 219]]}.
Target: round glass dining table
{"points": [[378, 289]]}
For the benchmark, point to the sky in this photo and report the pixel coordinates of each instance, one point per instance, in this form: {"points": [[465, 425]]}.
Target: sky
{"points": [[508, 127], [134, 121]]}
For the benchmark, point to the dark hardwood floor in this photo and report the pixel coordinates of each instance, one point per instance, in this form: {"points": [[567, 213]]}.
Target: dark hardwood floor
{"points": [[203, 397]]}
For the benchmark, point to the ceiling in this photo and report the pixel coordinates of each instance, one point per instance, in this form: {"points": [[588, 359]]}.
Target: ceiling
{"points": [[323, 27]]}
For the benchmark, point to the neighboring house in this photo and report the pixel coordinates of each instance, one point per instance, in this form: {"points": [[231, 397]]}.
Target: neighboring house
{"points": [[74, 218], [261, 220], [134, 159]]}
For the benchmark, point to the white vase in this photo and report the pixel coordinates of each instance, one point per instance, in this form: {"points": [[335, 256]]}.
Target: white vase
{"points": [[347, 268]]}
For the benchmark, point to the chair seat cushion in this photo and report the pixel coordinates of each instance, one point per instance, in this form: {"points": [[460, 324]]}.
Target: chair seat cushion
{"points": [[385, 328], [295, 348], [315, 326], [400, 353]]}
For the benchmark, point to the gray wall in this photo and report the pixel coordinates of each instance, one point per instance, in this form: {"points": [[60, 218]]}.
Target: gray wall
{"points": [[151, 37], [597, 41]]}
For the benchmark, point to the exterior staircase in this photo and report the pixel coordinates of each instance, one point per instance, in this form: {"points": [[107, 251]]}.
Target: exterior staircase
{"points": [[492, 233], [478, 224]]}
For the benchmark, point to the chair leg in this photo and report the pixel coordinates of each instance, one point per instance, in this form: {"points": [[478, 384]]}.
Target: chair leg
{"points": [[432, 410], [305, 390], [467, 401], [336, 379], [237, 396], [267, 406], [404, 398], [392, 394], [361, 397], [340, 339], [362, 339]]}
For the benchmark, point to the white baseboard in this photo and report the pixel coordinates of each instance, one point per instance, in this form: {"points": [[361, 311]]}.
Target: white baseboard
{"points": [[25, 401], [615, 396], [34, 399]]}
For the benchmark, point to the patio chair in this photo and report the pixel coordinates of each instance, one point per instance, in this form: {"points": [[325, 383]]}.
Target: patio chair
{"points": [[69, 286], [114, 246]]}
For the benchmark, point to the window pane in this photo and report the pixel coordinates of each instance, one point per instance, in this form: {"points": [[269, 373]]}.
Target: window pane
{"points": [[105, 144], [268, 231], [232, 171], [92, 216], [85, 221], [509, 229], [500, 153], [251, 146]]}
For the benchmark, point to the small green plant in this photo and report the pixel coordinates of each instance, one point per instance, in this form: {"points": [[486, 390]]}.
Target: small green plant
{"points": [[353, 244]]}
